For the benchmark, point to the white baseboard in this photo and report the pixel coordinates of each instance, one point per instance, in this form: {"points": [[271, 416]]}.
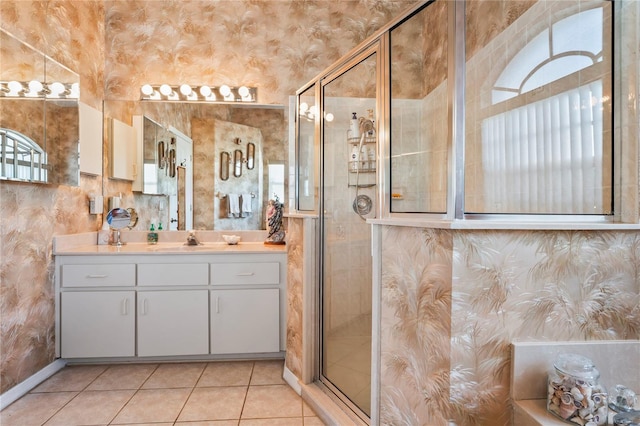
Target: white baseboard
{"points": [[25, 386], [292, 380]]}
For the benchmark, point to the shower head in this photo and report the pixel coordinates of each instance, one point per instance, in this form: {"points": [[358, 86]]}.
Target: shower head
{"points": [[365, 125]]}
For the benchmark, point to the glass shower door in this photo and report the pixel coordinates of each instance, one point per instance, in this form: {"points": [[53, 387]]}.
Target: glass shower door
{"points": [[349, 168]]}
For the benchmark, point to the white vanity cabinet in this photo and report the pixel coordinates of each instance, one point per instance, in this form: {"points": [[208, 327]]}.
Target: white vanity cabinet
{"points": [[145, 305], [245, 321], [173, 322], [98, 324]]}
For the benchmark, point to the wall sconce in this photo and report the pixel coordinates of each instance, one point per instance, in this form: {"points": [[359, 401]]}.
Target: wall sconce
{"points": [[37, 90], [185, 92]]}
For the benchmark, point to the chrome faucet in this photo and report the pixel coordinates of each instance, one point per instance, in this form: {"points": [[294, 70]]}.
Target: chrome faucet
{"points": [[191, 239]]}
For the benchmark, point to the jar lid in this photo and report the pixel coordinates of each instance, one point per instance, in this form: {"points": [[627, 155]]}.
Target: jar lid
{"points": [[627, 419], [576, 365]]}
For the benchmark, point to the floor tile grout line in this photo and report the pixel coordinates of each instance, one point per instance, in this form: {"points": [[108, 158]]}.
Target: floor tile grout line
{"points": [[246, 394], [69, 401], [133, 395], [193, 388]]}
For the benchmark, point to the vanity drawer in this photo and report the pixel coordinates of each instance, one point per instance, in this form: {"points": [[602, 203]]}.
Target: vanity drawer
{"points": [[245, 273], [109, 275], [150, 274]]}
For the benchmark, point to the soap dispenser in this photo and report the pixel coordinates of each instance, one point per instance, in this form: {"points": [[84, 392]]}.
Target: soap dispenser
{"points": [[152, 235]]}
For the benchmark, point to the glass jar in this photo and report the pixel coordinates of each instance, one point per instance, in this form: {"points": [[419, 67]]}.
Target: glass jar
{"points": [[575, 393], [627, 419]]}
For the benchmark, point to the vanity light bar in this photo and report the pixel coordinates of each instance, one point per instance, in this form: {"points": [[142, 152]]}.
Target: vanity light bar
{"points": [[38, 90], [185, 92]]}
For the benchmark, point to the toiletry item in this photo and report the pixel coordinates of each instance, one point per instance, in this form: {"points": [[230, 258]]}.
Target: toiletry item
{"points": [[152, 235], [354, 127], [159, 226], [103, 234], [355, 159], [364, 158], [371, 152]]}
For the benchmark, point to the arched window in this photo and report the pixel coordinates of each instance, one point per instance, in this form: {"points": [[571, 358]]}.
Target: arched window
{"points": [[21, 158], [545, 137]]}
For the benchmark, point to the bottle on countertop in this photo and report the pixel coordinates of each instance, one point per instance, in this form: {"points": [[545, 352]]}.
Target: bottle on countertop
{"points": [[152, 235], [104, 234], [159, 226]]}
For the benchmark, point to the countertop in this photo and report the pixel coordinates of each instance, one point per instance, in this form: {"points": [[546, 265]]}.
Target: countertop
{"points": [[172, 248], [85, 244]]}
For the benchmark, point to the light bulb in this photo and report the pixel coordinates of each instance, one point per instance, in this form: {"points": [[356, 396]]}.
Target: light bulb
{"points": [[35, 86], [147, 90], [328, 116], [166, 90], [185, 89], [75, 90], [304, 107], [56, 88], [313, 110], [205, 91], [15, 87], [225, 90], [243, 91]]}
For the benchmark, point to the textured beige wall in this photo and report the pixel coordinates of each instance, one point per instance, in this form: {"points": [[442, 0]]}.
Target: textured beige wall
{"points": [[276, 46], [30, 215], [496, 287]]}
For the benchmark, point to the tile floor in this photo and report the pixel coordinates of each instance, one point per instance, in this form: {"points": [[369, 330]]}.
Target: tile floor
{"points": [[239, 393]]}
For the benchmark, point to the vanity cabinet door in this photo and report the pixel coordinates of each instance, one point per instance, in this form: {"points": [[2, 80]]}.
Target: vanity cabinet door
{"points": [[97, 324], [245, 321], [173, 322]]}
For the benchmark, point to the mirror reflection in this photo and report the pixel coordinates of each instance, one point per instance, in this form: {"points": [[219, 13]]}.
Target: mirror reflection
{"points": [[39, 119], [227, 194]]}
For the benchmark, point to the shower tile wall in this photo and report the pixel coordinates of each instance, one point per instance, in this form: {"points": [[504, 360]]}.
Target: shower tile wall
{"points": [[349, 263], [420, 133]]}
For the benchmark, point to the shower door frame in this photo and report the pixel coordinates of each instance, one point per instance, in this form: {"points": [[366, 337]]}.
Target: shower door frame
{"points": [[375, 48]]}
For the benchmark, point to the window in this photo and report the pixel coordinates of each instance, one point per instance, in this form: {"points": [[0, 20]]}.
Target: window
{"points": [[539, 135], [21, 158]]}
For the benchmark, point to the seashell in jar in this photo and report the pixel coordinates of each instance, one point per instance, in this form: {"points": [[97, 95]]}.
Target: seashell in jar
{"points": [[578, 421], [598, 398], [567, 410], [586, 391], [601, 415], [591, 424], [577, 395], [566, 398], [585, 413]]}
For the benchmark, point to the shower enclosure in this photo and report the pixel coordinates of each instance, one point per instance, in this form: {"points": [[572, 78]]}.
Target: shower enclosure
{"points": [[346, 193]]}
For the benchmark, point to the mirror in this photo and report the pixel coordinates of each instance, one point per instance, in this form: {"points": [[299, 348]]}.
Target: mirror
{"points": [[224, 165], [171, 163], [251, 154], [40, 134], [237, 163], [217, 130]]}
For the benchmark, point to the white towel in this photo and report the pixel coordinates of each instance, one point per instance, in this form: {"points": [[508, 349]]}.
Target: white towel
{"points": [[234, 205], [246, 204]]}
